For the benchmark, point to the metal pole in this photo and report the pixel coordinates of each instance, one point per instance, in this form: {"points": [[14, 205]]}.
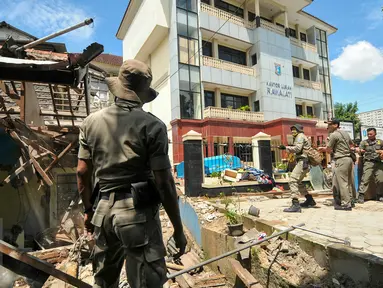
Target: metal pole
{"points": [[252, 243], [56, 34], [318, 233]]}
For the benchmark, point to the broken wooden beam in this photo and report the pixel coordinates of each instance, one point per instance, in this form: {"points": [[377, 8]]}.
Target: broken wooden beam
{"points": [[244, 275], [40, 170], [61, 155], [53, 255], [174, 266], [40, 265]]}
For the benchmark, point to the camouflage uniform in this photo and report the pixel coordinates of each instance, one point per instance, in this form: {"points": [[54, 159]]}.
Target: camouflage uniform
{"points": [[372, 166], [125, 145], [342, 181]]}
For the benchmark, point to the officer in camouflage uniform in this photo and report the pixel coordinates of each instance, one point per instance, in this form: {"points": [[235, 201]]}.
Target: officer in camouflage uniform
{"points": [[339, 144], [372, 164], [127, 148], [300, 171]]}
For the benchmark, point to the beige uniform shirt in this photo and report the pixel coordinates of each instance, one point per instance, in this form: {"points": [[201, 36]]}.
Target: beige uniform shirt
{"points": [[125, 144], [340, 143], [301, 142]]}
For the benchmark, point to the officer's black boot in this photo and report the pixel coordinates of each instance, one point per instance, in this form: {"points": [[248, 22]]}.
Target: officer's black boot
{"points": [[294, 208], [309, 202], [361, 198]]}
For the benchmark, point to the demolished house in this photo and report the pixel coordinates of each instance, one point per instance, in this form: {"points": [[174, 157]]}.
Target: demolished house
{"points": [[44, 97]]}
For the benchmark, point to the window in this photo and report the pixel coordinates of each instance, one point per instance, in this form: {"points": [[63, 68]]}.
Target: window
{"points": [[188, 101], [209, 98], [296, 71], [237, 11], [293, 33], [188, 51], [233, 101], [251, 16], [303, 37], [306, 74], [254, 59], [299, 109], [206, 2], [190, 5], [257, 107], [310, 110], [232, 55], [207, 48]]}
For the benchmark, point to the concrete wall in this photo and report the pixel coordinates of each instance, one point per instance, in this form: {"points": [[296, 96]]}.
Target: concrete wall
{"points": [[224, 77], [274, 49], [6, 32], [147, 30], [230, 29], [304, 54], [307, 93]]}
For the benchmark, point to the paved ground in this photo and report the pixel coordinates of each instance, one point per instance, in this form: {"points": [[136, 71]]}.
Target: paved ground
{"points": [[363, 225]]}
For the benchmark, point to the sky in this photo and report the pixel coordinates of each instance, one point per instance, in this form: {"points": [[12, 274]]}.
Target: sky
{"points": [[356, 49]]}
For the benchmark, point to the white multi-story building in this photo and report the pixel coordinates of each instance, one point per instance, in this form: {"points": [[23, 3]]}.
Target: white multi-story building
{"points": [[372, 118], [210, 58], [269, 55]]}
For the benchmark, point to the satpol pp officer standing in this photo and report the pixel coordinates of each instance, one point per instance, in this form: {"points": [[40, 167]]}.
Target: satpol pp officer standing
{"points": [[127, 148], [371, 149], [297, 187]]}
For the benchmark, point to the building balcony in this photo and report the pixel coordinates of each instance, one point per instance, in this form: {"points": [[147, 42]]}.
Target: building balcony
{"points": [[232, 114], [271, 27], [225, 15], [229, 66], [308, 84], [304, 45]]}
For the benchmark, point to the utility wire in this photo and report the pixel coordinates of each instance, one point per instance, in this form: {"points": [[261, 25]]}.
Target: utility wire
{"points": [[184, 64]]}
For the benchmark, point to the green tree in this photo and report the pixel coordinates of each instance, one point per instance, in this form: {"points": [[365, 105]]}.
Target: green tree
{"points": [[347, 112]]}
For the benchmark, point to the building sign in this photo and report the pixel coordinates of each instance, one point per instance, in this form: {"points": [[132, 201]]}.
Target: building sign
{"points": [[363, 132], [278, 69], [348, 127], [277, 89]]}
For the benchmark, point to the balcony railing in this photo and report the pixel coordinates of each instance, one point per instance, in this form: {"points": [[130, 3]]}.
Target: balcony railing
{"points": [[232, 114], [272, 27], [225, 65], [225, 15], [304, 45], [308, 84]]}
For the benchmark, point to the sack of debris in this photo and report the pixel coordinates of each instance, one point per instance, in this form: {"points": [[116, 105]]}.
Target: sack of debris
{"points": [[314, 156]]}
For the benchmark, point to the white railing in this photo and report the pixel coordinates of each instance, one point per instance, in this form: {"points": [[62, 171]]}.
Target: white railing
{"points": [[232, 114], [304, 45], [225, 65], [225, 15], [308, 84], [272, 27]]}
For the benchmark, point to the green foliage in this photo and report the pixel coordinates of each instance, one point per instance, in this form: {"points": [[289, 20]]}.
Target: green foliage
{"points": [[225, 200], [307, 116], [215, 175], [347, 112], [233, 217], [229, 107], [281, 166], [244, 108]]}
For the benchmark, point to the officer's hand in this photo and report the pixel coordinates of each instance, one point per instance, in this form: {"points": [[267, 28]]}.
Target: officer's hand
{"points": [[282, 147], [181, 242], [89, 227], [362, 151]]}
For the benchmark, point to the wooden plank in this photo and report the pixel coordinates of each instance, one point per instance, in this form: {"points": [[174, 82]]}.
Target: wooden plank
{"points": [[180, 280], [40, 170], [22, 102], [61, 155], [174, 266], [244, 275], [23, 257], [70, 103], [54, 103]]}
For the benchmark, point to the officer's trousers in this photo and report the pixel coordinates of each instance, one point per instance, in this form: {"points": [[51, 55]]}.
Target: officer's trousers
{"points": [[297, 187], [343, 181], [372, 175], [125, 233]]}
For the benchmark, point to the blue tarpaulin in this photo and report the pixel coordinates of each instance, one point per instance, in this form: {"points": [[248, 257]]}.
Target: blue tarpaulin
{"points": [[214, 164]]}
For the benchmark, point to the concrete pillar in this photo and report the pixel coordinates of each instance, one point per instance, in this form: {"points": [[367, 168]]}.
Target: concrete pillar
{"points": [[262, 152], [215, 48], [304, 108], [217, 96], [231, 145], [210, 146], [287, 32], [212, 3], [297, 31], [248, 60], [193, 163], [301, 71], [257, 13]]}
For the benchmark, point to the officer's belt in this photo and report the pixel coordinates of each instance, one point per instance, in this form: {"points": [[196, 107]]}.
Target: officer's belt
{"points": [[118, 195]]}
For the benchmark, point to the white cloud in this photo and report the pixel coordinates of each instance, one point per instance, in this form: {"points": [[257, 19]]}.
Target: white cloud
{"points": [[358, 62], [43, 17]]}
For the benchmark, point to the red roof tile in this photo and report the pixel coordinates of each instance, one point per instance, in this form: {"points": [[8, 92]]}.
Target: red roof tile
{"points": [[109, 59]]}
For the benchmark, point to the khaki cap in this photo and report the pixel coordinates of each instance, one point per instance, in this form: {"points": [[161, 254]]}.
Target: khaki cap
{"points": [[133, 82]]}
